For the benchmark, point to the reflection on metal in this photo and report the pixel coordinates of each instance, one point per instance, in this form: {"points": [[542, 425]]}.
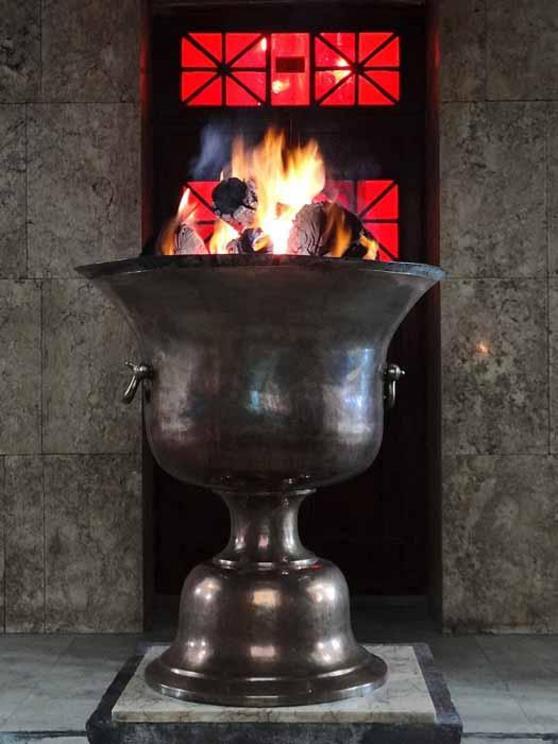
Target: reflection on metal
{"points": [[269, 383]]}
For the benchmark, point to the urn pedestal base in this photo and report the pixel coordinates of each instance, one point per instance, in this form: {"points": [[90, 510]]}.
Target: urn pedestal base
{"points": [[266, 622], [246, 691]]}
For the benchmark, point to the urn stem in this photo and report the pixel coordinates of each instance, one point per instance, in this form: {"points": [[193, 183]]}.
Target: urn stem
{"points": [[264, 529]]}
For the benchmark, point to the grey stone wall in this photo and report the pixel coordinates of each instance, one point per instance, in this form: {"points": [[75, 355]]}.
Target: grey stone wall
{"points": [[499, 228], [70, 502], [70, 489]]}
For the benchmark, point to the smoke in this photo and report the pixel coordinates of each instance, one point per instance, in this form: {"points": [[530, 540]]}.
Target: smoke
{"points": [[349, 160], [346, 158], [215, 149]]}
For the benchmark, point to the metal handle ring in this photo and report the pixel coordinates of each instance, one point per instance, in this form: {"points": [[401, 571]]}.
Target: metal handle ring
{"points": [[140, 372], [392, 376]]}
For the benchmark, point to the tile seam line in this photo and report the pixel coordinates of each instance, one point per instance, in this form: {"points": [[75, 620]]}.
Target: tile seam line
{"points": [[73, 454], [3, 532], [543, 454], [514, 697], [39, 734], [486, 51], [41, 49], [43, 102], [26, 202], [503, 101], [496, 736], [549, 359]]}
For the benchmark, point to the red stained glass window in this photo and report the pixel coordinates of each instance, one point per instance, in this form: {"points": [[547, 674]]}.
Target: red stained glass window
{"points": [[253, 69], [224, 69], [377, 205], [356, 68], [290, 69], [200, 197], [375, 201]]}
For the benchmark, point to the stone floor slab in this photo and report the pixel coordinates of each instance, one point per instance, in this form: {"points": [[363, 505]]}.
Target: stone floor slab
{"points": [[403, 698], [413, 706]]}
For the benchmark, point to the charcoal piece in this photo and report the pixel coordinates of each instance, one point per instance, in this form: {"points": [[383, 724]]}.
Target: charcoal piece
{"points": [[187, 242], [355, 250], [307, 233], [235, 201], [252, 240], [233, 247], [315, 227]]}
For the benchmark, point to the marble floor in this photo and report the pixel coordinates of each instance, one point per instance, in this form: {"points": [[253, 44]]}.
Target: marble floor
{"points": [[504, 686]]}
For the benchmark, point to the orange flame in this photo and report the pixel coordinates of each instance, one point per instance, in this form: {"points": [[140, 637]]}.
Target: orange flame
{"points": [[285, 179], [185, 213], [223, 233], [337, 232], [371, 246]]}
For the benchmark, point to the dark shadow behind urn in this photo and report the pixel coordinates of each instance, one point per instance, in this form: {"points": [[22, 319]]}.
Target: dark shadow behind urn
{"points": [[268, 381]]}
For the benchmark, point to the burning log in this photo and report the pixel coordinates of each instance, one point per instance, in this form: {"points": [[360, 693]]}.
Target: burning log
{"points": [[273, 220], [356, 250], [178, 236], [235, 202], [324, 228], [188, 242], [179, 239]]}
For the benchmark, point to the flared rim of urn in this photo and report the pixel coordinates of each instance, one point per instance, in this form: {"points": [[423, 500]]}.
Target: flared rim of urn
{"points": [[141, 264]]}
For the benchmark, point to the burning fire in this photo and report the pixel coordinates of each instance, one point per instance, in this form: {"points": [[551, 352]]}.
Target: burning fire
{"points": [[270, 202], [223, 233], [285, 179], [185, 215]]}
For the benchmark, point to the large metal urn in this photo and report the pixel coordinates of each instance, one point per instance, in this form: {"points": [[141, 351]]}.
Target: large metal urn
{"points": [[263, 379]]}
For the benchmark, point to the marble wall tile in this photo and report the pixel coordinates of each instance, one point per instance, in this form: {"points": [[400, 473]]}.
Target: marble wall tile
{"points": [[553, 336], [13, 249], [90, 51], [20, 50], [494, 366], [83, 185], [24, 550], [552, 170], [493, 208], [2, 547], [522, 40], [86, 342], [500, 520], [463, 50], [20, 366], [93, 543]]}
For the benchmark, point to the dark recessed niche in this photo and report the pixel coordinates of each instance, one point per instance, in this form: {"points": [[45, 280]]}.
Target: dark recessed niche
{"points": [[376, 526]]}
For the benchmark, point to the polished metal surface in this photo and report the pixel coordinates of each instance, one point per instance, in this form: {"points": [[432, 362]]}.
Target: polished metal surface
{"points": [[268, 381], [265, 622]]}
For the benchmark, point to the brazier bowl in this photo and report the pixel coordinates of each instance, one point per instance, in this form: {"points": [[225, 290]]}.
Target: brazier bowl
{"points": [[264, 378]]}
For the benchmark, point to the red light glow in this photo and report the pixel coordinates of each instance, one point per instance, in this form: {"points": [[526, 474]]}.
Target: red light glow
{"points": [[255, 69]]}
